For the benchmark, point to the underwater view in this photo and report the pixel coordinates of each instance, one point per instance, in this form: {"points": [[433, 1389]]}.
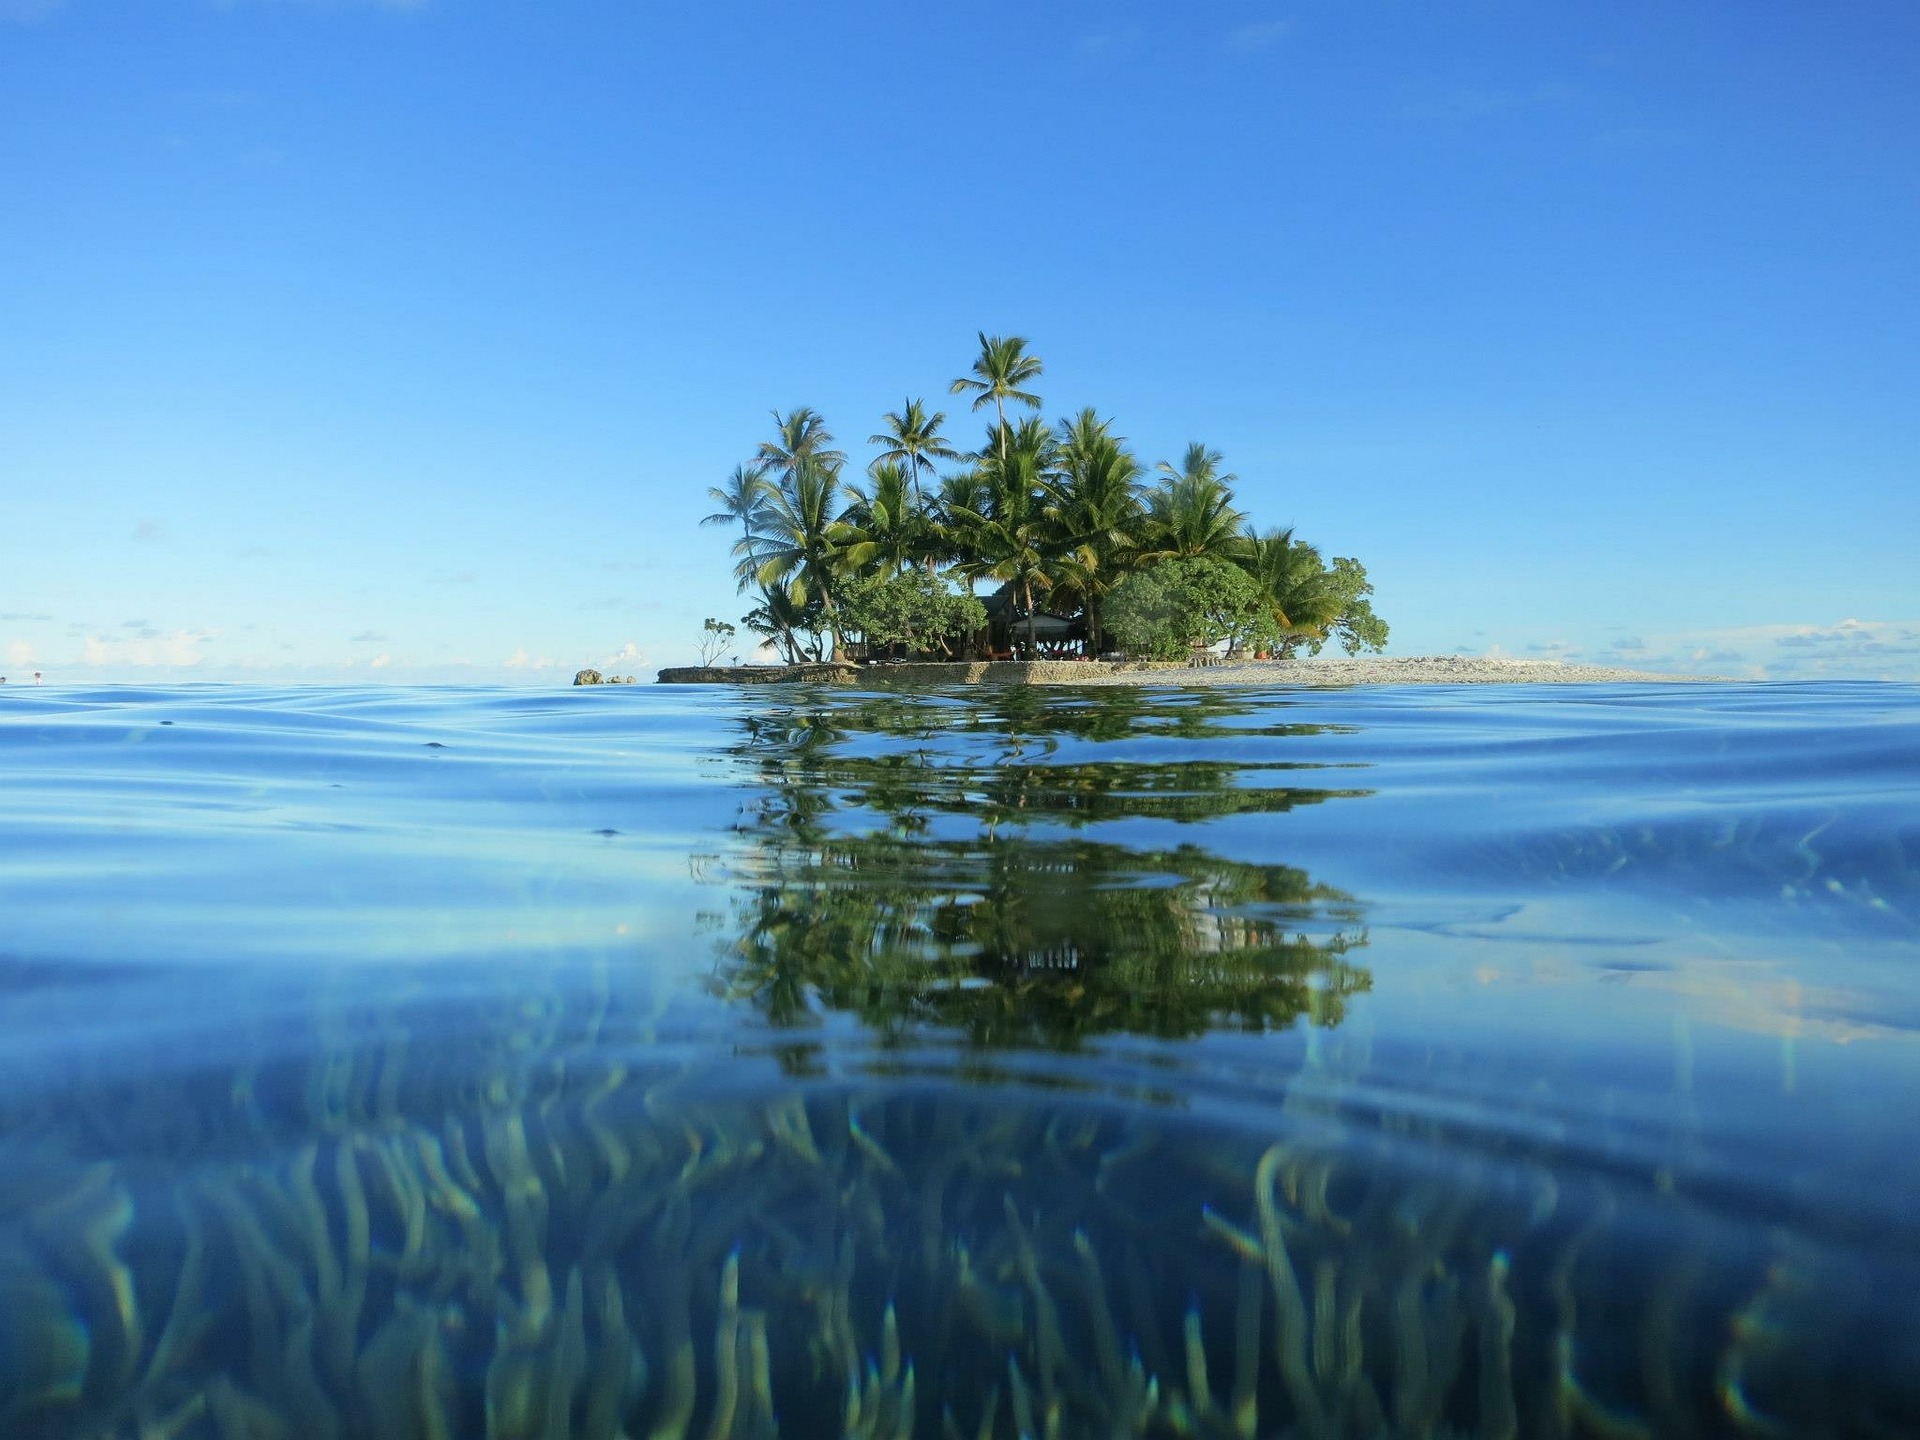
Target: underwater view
{"points": [[637, 1062]]}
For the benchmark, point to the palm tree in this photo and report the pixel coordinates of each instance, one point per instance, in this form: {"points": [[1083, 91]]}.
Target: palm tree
{"points": [[802, 434], [743, 500], [1013, 535], [1296, 589], [962, 496], [779, 619], [887, 522], [999, 371], [802, 548], [913, 438], [1191, 511], [1098, 509]]}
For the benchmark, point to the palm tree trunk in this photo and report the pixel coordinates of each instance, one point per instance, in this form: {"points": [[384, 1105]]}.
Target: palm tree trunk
{"points": [[1001, 406], [1026, 590], [833, 621]]}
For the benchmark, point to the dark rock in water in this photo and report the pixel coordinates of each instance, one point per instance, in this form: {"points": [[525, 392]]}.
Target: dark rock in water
{"points": [[587, 677]]}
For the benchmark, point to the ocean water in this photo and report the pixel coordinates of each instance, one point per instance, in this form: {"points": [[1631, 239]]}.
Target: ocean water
{"points": [[1480, 1061]]}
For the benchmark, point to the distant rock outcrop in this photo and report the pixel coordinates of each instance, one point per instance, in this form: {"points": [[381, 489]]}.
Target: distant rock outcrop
{"points": [[587, 677]]}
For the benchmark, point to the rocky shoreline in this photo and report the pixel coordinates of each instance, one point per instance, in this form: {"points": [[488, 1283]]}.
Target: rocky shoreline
{"points": [[1321, 671]]}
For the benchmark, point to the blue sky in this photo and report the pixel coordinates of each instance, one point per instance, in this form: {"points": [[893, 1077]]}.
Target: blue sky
{"points": [[392, 341]]}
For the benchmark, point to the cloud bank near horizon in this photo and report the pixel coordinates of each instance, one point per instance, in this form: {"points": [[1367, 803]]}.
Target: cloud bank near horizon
{"points": [[1848, 649]]}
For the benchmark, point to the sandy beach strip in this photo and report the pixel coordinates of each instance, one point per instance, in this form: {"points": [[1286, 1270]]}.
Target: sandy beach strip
{"points": [[1324, 671], [1382, 670]]}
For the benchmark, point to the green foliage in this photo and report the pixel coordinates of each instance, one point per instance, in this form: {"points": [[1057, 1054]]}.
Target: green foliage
{"points": [[1358, 628], [1058, 516], [784, 620], [714, 637], [912, 608], [1168, 609], [745, 500], [888, 524], [1143, 619], [1001, 368], [1191, 511], [1014, 536], [912, 439]]}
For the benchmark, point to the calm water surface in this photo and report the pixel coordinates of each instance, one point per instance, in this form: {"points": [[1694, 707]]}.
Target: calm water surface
{"points": [[1500, 1061]]}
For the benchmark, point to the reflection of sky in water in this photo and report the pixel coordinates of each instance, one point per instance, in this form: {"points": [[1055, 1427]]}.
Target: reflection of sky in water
{"points": [[1484, 1061]]}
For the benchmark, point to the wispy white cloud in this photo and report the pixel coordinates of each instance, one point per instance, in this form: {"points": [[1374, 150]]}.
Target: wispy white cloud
{"points": [[21, 653], [1875, 649], [380, 662], [1260, 35], [369, 637], [1851, 649], [522, 660], [628, 654], [179, 650]]}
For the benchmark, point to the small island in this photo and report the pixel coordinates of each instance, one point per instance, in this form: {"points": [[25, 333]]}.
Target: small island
{"points": [[1047, 543], [1048, 555]]}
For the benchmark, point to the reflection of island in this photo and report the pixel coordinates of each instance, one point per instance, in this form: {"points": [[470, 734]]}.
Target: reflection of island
{"points": [[903, 882]]}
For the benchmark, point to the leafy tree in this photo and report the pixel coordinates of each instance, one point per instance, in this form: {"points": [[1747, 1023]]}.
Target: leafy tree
{"points": [[911, 608], [912, 438], [1357, 627], [1171, 608], [715, 636], [1000, 369]]}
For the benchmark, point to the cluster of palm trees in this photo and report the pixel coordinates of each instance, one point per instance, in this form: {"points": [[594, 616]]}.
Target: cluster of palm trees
{"points": [[1054, 515]]}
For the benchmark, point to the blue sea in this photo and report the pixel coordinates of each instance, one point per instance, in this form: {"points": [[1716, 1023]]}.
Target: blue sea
{"points": [[680, 1061]]}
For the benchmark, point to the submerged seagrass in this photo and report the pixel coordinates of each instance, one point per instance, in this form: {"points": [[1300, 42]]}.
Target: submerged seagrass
{"points": [[999, 1066]]}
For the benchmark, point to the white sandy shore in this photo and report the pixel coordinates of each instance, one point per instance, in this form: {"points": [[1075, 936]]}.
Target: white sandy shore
{"points": [[1323, 671], [1386, 670]]}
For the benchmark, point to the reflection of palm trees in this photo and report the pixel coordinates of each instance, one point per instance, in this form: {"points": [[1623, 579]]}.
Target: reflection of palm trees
{"points": [[1018, 943], [854, 899]]}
